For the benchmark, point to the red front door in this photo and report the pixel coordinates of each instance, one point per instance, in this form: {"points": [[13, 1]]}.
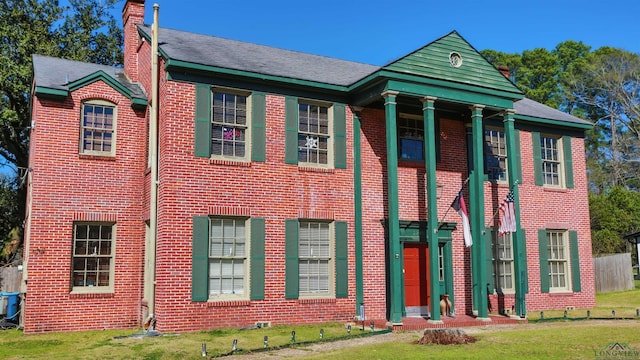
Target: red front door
{"points": [[416, 275]]}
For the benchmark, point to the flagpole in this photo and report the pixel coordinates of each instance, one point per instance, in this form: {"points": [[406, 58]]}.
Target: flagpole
{"points": [[449, 208]]}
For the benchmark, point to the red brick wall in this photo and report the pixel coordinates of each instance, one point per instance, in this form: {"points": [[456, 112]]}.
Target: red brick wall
{"points": [[191, 186], [67, 186], [540, 208], [132, 15]]}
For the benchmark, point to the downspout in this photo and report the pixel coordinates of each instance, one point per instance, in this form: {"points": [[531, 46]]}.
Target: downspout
{"points": [[153, 157]]}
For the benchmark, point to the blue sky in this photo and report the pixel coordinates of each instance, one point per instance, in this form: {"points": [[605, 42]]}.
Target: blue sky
{"points": [[377, 32]]}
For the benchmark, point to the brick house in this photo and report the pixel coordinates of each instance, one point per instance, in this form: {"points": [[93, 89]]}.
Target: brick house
{"points": [[257, 184]]}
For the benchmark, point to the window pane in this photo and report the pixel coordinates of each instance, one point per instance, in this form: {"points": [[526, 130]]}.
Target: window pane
{"points": [[92, 261]]}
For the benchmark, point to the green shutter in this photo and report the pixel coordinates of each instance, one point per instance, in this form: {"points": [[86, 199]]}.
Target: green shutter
{"points": [[568, 162], [291, 130], [488, 241], [524, 268], [516, 135], [537, 159], [200, 259], [258, 128], [342, 271], [257, 259], [339, 137], [544, 260], [575, 261], [291, 260], [202, 146]]}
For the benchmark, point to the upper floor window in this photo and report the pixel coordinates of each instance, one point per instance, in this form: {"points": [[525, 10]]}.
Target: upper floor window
{"points": [[229, 124], [314, 134], [551, 155], [98, 128], [410, 139], [495, 155], [93, 257]]}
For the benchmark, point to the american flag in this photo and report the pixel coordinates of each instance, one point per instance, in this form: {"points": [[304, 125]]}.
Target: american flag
{"points": [[507, 219]]}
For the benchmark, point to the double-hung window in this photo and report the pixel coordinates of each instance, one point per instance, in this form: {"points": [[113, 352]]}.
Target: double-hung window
{"points": [[559, 260], [315, 258], [93, 257], [228, 257], [495, 155], [558, 257], [314, 134], [97, 131], [503, 262], [229, 124], [551, 155]]}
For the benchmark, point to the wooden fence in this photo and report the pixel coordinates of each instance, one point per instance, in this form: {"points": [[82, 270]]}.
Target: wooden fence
{"points": [[613, 273], [10, 279]]}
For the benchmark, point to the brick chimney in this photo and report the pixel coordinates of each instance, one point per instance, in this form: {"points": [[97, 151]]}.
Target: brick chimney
{"points": [[504, 70], [132, 15]]}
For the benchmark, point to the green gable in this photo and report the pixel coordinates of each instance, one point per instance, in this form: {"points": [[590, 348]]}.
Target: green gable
{"points": [[433, 61]]}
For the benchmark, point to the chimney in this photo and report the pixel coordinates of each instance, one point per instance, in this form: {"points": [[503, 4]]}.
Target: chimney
{"points": [[504, 70], [132, 15]]}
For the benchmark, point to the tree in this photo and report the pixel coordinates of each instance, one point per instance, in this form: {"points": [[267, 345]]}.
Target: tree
{"points": [[613, 215], [607, 88], [84, 31]]}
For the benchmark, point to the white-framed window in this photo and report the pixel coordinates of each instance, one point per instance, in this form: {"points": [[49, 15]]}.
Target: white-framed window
{"points": [[495, 154], [230, 118], [551, 155], [410, 138], [314, 134], [228, 257], [558, 257], [503, 262], [98, 128], [93, 257], [315, 258], [441, 263]]}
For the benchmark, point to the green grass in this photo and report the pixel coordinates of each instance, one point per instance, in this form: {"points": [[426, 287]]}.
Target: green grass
{"points": [[127, 344], [559, 339]]}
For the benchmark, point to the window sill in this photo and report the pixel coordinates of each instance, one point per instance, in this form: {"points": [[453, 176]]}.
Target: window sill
{"points": [[561, 293], [229, 162], [554, 189], [228, 303], [97, 157]]}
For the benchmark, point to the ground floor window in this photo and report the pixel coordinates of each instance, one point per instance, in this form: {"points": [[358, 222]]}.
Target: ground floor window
{"points": [[503, 262], [558, 260], [227, 256], [314, 251], [93, 256]]}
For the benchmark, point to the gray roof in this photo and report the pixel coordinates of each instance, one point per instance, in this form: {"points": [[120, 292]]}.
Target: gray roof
{"points": [[236, 55], [55, 73], [529, 107]]}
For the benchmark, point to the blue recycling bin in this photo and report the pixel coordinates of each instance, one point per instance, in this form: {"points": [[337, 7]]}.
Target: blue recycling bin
{"points": [[12, 305]]}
